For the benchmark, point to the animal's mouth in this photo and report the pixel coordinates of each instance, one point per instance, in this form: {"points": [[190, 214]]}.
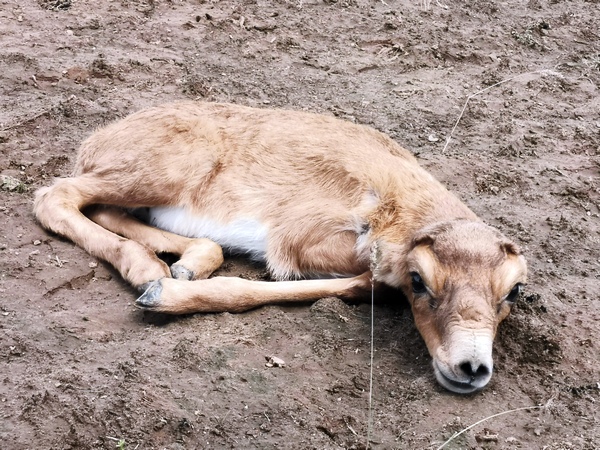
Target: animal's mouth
{"points": [[460, 387]]}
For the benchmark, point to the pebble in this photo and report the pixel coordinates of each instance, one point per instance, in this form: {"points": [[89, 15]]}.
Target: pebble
{"points": [[274, 361]]}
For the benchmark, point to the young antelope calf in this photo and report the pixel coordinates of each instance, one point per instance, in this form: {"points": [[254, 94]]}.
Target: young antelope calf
{"points": [[311, 196]]}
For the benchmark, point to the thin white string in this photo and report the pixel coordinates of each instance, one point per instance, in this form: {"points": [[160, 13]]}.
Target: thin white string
{"points": [[481, 92], [370, 422]]}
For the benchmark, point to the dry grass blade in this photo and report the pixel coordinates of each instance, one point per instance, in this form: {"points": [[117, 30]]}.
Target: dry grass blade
{"points": [[481, 92], [455, 435], [370, 419]]}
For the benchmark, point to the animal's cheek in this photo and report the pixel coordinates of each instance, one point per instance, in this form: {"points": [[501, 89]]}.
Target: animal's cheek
{"points": [[428, 325], [504, 310]]}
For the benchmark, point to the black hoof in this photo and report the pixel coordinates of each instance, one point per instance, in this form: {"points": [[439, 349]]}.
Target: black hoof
{"points": [[181, 273], [150, 299]]}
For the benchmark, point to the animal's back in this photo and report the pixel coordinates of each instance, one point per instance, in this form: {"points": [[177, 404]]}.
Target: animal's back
{"points": [[245, 156]]}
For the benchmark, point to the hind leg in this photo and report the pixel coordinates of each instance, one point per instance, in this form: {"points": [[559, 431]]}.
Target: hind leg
{"points": [[58, 208], [199, 258]]}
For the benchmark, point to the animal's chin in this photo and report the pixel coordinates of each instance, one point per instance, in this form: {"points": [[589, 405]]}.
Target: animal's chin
{"points": [[456, 386]]}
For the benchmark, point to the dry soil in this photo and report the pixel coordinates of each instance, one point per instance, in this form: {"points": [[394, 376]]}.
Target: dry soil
{"points": [[81, 368]]}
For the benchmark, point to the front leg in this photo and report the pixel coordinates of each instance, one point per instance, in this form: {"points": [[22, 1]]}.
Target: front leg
{"points": [[231, 294]]}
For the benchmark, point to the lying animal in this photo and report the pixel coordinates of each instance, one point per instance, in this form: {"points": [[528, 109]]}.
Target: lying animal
{"points": [[311, 196]]}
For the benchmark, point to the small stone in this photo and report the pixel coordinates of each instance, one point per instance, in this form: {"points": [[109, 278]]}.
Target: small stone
{"points": [[69, 32], [486, 436], [11, 184], [37, 242], [274, 361], [432, 138], [93, 265]]}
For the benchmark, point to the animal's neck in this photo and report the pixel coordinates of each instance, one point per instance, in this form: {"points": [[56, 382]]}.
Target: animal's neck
{"points": [[398, 218]]}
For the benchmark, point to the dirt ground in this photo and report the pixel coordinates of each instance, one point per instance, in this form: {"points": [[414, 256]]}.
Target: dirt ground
{"points": [[82, 368]]}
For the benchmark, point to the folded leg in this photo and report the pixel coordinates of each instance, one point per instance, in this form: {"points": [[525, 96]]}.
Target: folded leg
{"points": [[58, 208], [198, 257]]}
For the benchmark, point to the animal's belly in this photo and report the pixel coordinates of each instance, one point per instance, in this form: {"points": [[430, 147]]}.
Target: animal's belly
{"points": [[239, 236]]}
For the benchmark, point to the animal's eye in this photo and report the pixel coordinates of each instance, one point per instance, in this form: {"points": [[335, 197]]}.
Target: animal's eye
{"points": [[514, 293], [418, 286]]}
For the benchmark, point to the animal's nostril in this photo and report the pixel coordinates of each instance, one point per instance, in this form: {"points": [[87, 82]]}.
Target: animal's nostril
{"points": [[474, 370]]}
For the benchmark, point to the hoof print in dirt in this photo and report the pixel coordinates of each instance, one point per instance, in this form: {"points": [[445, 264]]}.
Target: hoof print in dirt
{"points": [[181, 273], [150, 299]]}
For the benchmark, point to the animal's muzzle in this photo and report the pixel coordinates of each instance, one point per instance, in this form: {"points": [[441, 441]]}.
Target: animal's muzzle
{"points": [[466, 383], [465, 365]]}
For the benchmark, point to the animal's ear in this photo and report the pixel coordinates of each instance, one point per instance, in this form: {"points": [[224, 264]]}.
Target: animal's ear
{"points": [[428, 235], [423, 238], [510, 248]]}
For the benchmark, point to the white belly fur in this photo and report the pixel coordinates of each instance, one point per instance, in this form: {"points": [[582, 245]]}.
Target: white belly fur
{"points": [[240, 236]]}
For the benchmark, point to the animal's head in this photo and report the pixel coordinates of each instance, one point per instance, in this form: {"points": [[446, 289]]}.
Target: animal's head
{"points": [[462, 279]]}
